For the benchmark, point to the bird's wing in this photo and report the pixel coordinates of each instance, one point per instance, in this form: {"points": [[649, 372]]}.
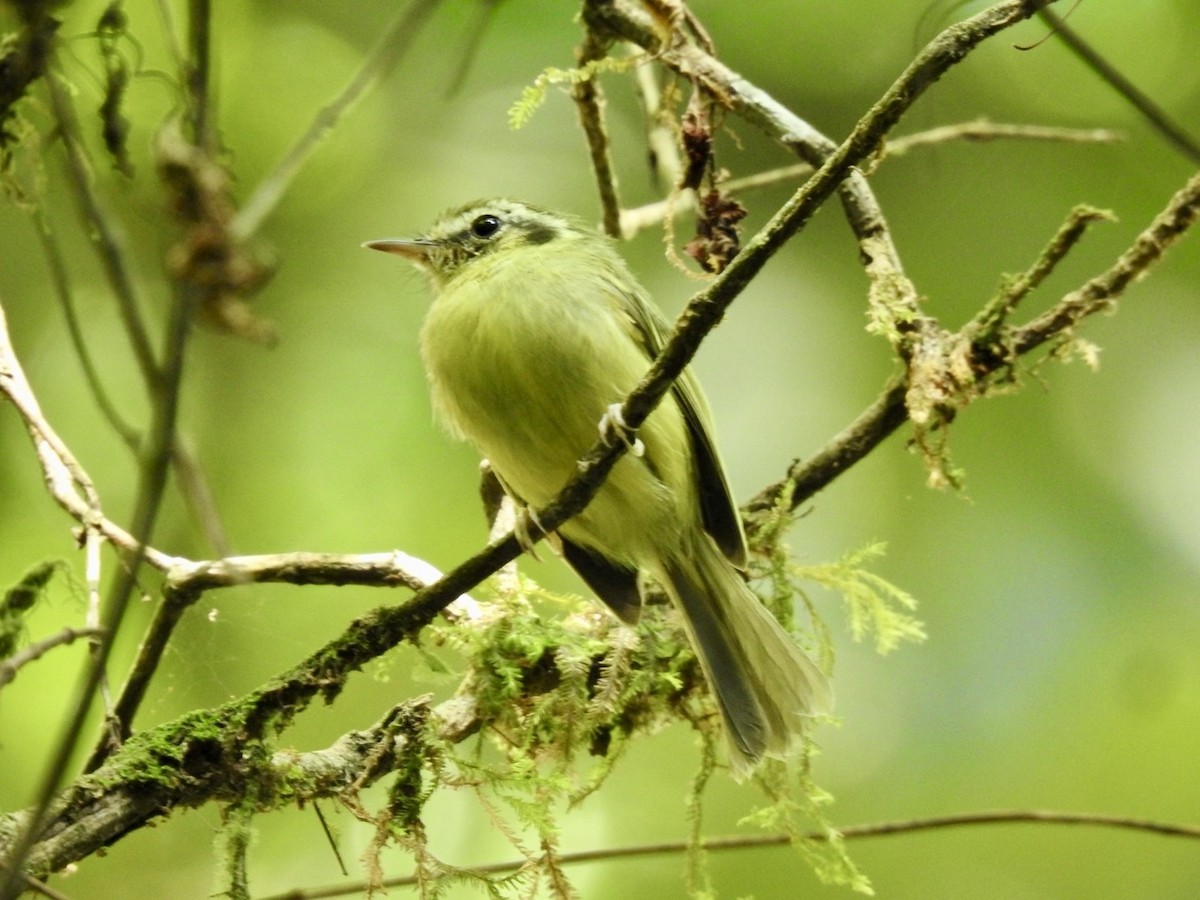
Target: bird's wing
{"points": [[721, 518]]}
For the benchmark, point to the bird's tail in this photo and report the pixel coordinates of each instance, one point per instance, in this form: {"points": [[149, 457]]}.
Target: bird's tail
{"points": [[763, 682]]}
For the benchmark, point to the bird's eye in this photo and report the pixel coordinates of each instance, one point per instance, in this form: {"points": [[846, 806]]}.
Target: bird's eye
{"points": [[485, 226]]}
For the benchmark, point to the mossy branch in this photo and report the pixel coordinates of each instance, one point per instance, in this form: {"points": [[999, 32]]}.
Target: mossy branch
{"points": [[986, 359]]}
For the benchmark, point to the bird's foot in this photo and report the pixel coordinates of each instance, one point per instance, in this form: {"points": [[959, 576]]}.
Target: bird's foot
{"points": [[522, 530], [612, 424]]}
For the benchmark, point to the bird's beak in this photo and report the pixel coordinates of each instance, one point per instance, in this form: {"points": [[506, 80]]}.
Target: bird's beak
{"points": [[414, 250]]}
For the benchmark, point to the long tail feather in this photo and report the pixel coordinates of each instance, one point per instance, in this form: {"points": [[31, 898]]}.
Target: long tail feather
{"points": [[764, 683]]}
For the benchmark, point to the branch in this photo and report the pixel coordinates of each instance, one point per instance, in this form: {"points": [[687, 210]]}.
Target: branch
{"points": [[635, 219], [389, 50], [743, 842], [1098, 294], [1175, 134], [105, 234], [893, 298], [325, 672], [187, 581], [889, 411], [13, 664], [589, 101], [120, 797]]}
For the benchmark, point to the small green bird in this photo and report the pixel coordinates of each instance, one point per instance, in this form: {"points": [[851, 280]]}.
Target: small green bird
{"points": [[536, 330]]}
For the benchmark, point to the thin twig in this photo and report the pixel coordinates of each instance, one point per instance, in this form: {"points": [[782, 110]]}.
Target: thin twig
{"points": [[106, 237], [997, 311], [152, 482], [1159, 119], [382, 59], [62, 290], [755, 841], [40, 887], [665, 162], [171, 33], [650, 214], [1099, 293], [192, 482], [888, 412], [197, 72], [589, 102], [65, 478], [621, 20], [10, 666], [982, 131]]}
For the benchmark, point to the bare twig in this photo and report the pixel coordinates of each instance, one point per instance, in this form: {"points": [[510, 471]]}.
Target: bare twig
{"points": [[692, 59], [1071, 233], [62, 289], [196, 73], [192, 482], [665, 162], [753, 841], [589, 101], [40, 887], [10, 666], [66, 481], [382, 59], [1159, 119], [105, 235], [982, 131], [640, 217], [1100, 292]]}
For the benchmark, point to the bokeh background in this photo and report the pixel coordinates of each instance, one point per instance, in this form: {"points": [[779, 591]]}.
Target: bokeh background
{"points": [[1060, 588]]}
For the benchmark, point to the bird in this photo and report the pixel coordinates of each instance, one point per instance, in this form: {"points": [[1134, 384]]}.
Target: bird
{"points": [[537, 331]]}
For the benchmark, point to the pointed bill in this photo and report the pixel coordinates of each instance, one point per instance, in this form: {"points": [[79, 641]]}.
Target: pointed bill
{"points": [[416, 250]]}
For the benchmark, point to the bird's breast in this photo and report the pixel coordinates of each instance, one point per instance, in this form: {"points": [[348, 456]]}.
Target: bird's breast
{"points": [[525, 369]]}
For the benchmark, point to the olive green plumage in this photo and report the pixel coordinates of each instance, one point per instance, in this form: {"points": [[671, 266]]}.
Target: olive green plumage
{"points": [[536, 329]]}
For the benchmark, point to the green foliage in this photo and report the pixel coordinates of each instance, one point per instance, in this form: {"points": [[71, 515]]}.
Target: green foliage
{"points": [[875, 605], [534, 95], [559, 687], [797, 803]]}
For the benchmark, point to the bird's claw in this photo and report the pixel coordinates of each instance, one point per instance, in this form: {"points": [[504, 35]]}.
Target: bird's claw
{"points": [[521, 530], [613, 423]]}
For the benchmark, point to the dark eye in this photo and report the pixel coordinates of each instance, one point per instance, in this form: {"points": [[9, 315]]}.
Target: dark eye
{"points": [[485, 226]]}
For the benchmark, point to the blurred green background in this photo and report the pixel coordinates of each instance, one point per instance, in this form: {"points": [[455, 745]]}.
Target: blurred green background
{"points": [[1060, 589]]}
